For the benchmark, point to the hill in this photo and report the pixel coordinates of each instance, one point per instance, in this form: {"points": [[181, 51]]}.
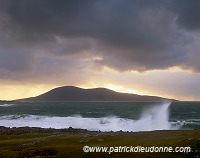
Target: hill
{"points": [[70, 93]]}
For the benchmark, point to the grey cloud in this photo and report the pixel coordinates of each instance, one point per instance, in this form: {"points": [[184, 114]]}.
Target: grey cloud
{"points": [[128, 35], [187, 13], [13, 60], [15, 64]]}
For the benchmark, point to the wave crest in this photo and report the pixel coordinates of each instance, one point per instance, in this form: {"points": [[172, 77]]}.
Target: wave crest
{"points": [[6, 105], [152, 118]]}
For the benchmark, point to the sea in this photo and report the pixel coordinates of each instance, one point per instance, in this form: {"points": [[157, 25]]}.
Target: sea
{"points": [[103, 116]]}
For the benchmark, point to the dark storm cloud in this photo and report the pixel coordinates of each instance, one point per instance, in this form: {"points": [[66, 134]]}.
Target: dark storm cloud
{"points": [[13, 60], [128, 35], [15, 64], [187, 12]]}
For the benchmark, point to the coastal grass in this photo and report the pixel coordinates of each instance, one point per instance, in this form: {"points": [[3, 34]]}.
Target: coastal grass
{"points": [[71, 144]]}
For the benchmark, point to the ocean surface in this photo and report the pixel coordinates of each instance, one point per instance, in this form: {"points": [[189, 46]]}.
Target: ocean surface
{"points": [[104, 116]]}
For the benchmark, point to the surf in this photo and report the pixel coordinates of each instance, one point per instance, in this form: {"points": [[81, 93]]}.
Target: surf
{"points": [[154, 117]]}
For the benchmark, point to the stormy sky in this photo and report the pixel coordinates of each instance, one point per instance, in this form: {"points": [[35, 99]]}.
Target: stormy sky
{"points": [[148, 47]]}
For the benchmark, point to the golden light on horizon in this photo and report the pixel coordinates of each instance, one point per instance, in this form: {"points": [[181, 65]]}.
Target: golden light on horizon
{"points": [[113, 87], [12, 92], [121, 89]]}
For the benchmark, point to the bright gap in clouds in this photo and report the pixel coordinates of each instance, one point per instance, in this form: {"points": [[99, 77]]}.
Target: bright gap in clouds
{"points": [[174, 84], [120, 89], [116, 88], [12, 92]]}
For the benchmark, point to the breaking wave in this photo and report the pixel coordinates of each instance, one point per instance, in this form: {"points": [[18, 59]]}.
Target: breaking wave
{"points": [[6, 105], [153, 118]]}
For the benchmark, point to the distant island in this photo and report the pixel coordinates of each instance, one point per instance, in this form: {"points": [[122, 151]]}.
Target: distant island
{"points": [[71, 93]]}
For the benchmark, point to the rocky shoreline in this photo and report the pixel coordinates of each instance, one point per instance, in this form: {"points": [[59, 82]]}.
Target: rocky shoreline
{"points": [[35, 130]]}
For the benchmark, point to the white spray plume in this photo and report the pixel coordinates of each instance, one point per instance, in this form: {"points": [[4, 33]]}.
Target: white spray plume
{"points": [[153, 118]]}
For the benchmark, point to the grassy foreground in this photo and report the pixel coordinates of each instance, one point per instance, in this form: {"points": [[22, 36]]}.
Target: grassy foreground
{"points": [[70, 144]]}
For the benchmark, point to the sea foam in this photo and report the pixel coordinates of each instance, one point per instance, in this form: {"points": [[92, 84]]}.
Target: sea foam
{"points": [[6, 105], [152, 118]]}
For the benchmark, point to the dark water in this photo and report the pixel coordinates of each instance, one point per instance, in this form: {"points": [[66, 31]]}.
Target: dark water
{"points": [[130, 116]]}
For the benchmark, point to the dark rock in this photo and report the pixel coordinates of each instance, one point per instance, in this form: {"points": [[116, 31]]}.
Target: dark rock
{"points": [[28, 130]]}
